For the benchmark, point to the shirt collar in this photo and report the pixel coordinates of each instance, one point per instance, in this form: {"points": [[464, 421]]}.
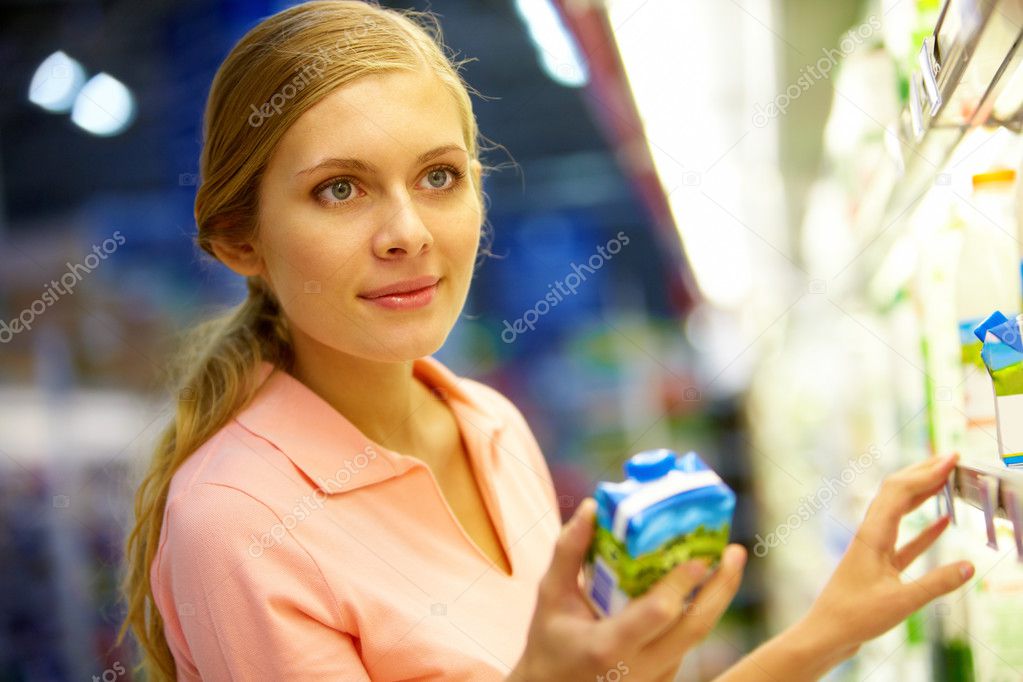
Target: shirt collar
{"points": [[330, 450]]}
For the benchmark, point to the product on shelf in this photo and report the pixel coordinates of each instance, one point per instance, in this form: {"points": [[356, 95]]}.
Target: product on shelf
{"points": [[1002, 354], [987, 278], [668, 510], [1018, 215]]}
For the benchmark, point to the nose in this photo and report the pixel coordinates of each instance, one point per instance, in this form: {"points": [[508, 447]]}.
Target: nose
{"points": [[403, 232]]}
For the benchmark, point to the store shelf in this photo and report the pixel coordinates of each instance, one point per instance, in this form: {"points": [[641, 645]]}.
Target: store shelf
{"points": [[964, 67], [970, 74], [996, 491]]}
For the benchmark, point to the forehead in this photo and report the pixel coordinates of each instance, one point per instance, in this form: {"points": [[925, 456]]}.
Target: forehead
{"points": [[394, 114]]}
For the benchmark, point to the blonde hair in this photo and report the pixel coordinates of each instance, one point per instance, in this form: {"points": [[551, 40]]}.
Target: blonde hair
{"points": [[278, 70]]}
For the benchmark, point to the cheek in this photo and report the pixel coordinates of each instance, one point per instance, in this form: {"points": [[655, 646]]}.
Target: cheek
{"points": [[461, 255], [301, 259], [465, 238], [469, 239]]}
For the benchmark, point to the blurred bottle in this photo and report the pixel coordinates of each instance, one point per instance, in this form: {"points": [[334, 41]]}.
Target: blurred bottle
{"points": [[939, 241], [1018, 215], [954, 625], [995, 601], [987, 279]]}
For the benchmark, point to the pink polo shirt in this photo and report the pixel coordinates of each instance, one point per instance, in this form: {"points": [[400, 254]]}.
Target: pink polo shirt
{"points": [[295, 548]]}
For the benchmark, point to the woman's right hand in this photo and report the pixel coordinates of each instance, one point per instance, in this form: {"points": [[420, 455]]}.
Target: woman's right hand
{"points": [[646, 640]]}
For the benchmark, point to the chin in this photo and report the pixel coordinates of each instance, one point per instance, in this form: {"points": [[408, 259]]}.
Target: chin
{"points": [[397, 345]]}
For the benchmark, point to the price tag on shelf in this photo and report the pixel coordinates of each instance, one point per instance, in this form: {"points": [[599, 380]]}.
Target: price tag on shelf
{"points": [[1015, 514], [950, 507], [988, 488]]}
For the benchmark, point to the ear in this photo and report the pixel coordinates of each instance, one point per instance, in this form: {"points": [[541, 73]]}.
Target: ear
{"points": [[241, 257]]}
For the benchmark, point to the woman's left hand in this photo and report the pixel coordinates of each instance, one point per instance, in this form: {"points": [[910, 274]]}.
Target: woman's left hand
{"points": [[866, 596]]}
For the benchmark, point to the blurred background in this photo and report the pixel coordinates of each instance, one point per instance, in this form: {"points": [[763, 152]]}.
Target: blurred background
{"points": [[798, 212]]}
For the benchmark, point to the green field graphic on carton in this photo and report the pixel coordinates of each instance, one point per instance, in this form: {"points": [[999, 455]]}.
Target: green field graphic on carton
{"points": [[1008, 381], [637, 574]]}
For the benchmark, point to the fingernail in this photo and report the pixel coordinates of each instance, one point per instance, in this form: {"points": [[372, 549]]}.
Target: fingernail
{"points": [[584, 509], [735, 557], [966, 570]]}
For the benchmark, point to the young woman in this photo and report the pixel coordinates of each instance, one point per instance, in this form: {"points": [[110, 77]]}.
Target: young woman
{"points": [[332, 503]]}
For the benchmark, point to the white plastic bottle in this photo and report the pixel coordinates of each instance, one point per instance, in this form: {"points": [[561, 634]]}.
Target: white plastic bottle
{"points": [[987, 279]]}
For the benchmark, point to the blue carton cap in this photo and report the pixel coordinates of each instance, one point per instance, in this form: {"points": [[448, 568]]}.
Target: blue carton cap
{"points": [[1002, 343], [650, 464], [993, 320]]}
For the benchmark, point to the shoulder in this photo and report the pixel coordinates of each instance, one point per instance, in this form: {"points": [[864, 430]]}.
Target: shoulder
{"points": [[225, 521], [227, 490], [236, 459], [215, 530], [209, 520], [225, 554], [225, 499]]}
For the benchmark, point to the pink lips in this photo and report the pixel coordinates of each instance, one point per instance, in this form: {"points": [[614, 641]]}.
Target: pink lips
{"points": [[405, 295]]}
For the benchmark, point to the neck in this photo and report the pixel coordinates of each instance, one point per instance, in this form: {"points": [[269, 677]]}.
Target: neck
{"points": [[381, 399]]}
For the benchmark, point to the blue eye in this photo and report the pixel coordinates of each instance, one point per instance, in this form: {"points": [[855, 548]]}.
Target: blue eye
{"points": [[343, 190], [443, 178], [335, 192], [341, 196], [438, 177]]}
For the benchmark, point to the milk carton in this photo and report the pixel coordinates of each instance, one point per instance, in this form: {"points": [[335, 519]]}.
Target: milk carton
{"points": [[668, 510], [1002, 354]]}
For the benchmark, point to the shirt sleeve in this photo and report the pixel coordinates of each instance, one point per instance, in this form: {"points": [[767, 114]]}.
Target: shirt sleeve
{"points": [[248, 601]]}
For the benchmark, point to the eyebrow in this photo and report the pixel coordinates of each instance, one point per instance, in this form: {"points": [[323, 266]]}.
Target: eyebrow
{"points": [[366, 167]]}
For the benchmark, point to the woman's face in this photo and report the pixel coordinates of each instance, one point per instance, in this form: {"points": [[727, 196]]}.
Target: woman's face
{"points": [[370, 188]]}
